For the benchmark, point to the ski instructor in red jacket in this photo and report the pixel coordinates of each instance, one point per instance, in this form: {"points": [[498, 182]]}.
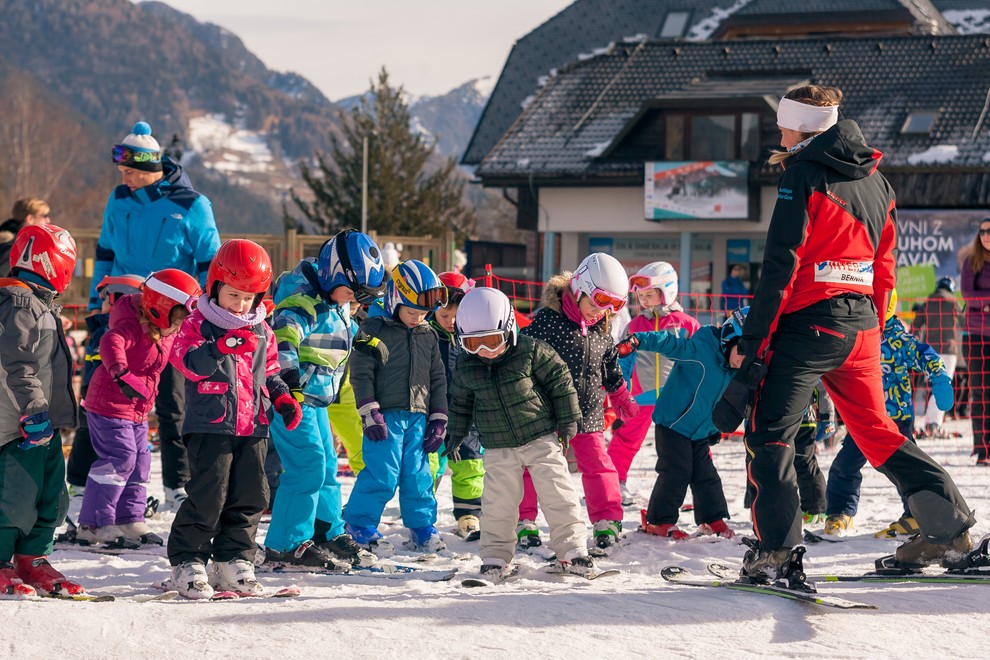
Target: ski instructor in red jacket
{"points": [[827, 270]]}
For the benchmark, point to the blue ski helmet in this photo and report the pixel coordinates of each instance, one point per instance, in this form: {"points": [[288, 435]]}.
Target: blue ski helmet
{"points": [[733, 326], [353, 260], [415, 285]]}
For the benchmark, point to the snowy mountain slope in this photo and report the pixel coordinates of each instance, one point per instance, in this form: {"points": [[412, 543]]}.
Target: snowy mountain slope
{"points": [[635, 614]]}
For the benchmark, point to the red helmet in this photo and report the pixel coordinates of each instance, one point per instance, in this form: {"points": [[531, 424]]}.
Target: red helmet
{"points": [[114, 286], [47, 251], [242, 264], [457, 285], [164, 290]]}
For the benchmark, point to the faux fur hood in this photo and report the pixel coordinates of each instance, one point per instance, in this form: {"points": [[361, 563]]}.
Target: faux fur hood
{"points": [[553, 289]]}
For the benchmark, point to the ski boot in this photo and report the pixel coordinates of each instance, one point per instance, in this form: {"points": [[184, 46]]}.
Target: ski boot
{"points": [[607, 533], [426, 540], [976, 561], [779, 568], [717, 528], [307, 554], [140, 532], [838, 525], [469, 527], [236, 575], [903, 526], [528, 535], [90, 535], [370, 539], [38, 573], [495, 570], [190, 580], [11, 585], [814, 518], [627, 496], [667, 530], [582, 565], [151, 506], [919, 552], [174, 497], [346, 548]]}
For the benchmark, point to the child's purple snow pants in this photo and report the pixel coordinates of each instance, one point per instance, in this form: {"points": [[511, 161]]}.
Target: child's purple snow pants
{"points": [[115, 490]]}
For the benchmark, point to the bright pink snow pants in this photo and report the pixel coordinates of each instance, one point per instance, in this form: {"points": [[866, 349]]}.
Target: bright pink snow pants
{"points": [[628, 439], [601, 481]]}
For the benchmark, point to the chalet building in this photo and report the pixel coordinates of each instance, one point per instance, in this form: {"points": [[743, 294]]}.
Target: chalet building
{"points": [[642, 128]]}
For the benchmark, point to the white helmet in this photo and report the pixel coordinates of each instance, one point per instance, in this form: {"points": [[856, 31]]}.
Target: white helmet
{"points": [[657, 275], [602, 272], [485, 311]]}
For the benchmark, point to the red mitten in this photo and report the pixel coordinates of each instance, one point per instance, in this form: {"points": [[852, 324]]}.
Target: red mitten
{"points": [[238, 342], [624, 403], [290, 410]]}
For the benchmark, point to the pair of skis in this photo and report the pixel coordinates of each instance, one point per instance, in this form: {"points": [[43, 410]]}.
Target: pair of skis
{"points": [[726, 577]]}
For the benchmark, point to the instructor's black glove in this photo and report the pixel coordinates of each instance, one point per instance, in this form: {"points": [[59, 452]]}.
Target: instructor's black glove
{"points": [[737, 400]]}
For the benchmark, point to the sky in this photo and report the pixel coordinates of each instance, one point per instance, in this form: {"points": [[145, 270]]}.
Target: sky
{"points": [[428, 46]]}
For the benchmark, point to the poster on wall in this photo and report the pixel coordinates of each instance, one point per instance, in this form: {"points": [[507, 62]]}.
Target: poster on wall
{"points": [[707, 189], [928, 245]]}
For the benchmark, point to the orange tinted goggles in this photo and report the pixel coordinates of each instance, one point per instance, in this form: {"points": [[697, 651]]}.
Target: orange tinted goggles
{"points": [[491, 341], [605, 300], [637, 282], [432, 298]]}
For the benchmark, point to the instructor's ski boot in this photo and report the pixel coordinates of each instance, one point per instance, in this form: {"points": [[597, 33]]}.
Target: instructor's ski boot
{"points": [[976, 561], [779, 568], [919, 552], [38, 573]]}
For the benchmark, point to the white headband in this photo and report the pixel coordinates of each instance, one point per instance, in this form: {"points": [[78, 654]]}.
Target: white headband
{"points": [[179, 296], [806, 118]]}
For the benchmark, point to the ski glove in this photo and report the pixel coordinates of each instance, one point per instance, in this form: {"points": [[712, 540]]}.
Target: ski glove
{"points": [[452, 449], [131, 386], [372, 420], [826, 429], [371, 346], [238, 341], [290, 410], [942, 390], [737, 399], [436, 429], [565, 433], [291, 378], [623, 402], [36, 429], [627, 346]]}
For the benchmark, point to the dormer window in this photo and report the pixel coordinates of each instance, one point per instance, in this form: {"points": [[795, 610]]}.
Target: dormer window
{"points": [[711, 136], [919, 122], [674, 25]]}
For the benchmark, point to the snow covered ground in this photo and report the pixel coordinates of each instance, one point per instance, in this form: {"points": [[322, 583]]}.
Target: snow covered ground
{"points": [[635, 614]]}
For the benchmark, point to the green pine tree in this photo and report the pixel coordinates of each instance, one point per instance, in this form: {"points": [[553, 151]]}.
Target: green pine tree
{"points": [[411, 190]]}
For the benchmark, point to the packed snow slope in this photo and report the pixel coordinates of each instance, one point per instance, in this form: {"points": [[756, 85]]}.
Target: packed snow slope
{"points": [[635, 614]]}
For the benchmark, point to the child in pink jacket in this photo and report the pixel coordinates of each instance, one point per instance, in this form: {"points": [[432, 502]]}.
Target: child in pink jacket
{"points": [[655, 285], [134, 351], [229, 357]]}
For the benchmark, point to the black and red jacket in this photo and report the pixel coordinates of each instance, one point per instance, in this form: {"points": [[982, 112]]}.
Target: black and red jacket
{"points": [[832, 232]]}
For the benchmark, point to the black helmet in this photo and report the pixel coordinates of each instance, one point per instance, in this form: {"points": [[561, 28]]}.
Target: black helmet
{"points": [[947, 284]]}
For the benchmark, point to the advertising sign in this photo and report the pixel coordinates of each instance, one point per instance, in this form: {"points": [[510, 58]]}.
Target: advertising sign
{"points": [[707, 190]]}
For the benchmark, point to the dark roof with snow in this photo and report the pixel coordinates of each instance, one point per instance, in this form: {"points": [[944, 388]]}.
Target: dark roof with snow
{"points": [[574, 128], [588, 26]]}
